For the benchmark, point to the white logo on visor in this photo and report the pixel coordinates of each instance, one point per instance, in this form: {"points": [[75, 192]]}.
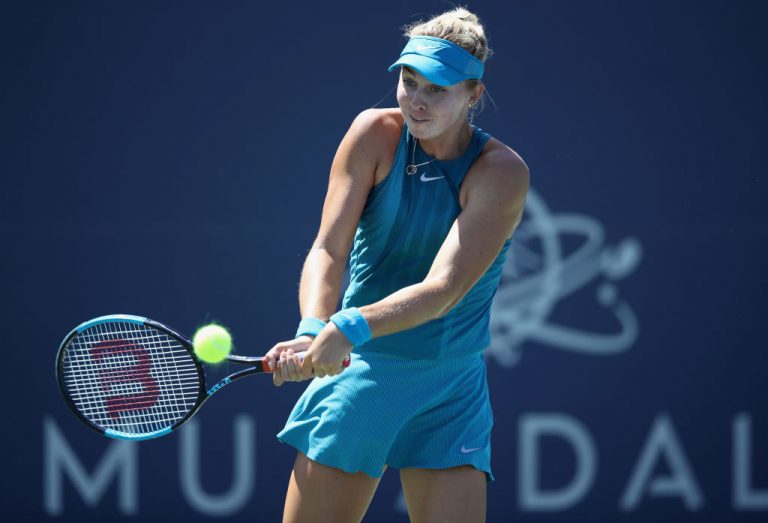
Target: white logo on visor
{"points": [[422, 47]]}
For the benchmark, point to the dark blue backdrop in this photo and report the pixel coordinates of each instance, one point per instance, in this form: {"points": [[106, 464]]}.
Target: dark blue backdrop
{"points": [[170, 159]]}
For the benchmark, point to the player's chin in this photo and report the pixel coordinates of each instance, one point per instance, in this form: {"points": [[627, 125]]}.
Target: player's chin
{"points": [[421, 130]]}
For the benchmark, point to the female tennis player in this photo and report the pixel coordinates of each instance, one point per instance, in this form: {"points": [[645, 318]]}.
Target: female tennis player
{"points": [[423, 205]]}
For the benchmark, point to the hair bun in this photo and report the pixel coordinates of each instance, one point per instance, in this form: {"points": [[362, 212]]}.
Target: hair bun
{"points": [[460, 26], [465, 15]]}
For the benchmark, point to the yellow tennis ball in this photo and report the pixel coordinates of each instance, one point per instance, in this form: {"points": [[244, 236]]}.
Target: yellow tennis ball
{"points": [[212, 343]]}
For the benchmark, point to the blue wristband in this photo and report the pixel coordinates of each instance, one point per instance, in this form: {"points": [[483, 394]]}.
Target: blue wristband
{"points": [[310, 327], [352, 325]]}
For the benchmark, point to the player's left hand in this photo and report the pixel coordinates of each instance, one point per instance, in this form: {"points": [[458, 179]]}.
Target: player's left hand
{"points": [[325, 356]]}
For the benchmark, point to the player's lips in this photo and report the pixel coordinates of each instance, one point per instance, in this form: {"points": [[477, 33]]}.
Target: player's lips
{"points": [[418, 120]]}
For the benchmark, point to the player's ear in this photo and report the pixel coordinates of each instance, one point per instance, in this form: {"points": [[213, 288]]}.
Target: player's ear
{"points": [[476, 90]]}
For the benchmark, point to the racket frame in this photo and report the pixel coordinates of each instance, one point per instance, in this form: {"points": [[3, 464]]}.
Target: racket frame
{"points": [[256, 365]]}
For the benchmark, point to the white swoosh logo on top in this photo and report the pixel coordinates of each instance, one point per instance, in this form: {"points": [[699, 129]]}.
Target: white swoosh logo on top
{"points": [[425, 178], [465, 450]]}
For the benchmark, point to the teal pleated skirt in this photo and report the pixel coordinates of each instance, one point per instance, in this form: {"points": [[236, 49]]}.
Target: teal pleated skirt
{"points": [[395, 411]]}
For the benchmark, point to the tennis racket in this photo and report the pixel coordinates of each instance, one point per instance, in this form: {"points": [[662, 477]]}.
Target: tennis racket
{"points": [[133, 378]]}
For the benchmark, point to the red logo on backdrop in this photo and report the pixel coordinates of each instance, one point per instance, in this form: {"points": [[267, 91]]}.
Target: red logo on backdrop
{"points": [[112, 376]]}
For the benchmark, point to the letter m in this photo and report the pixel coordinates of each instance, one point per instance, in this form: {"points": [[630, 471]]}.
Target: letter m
{"points": [[120, 461]]}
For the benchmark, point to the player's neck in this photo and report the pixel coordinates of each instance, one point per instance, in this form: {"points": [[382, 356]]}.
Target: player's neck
{"points": [[450, 144]]}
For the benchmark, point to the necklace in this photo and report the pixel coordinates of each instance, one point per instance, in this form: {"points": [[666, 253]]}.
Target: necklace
{"points": [[412, 168]]}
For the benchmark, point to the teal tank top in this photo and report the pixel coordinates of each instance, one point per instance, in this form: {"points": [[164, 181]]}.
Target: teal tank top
{"points": [[403, 225]]}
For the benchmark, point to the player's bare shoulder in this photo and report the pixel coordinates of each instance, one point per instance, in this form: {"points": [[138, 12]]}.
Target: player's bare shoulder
{"points": [[377, 126], [501, 165], [363, 150], [498, 176], [378, 133]]}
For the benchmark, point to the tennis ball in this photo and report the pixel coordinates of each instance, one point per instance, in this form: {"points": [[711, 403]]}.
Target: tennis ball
{"points": [[212, 343]]}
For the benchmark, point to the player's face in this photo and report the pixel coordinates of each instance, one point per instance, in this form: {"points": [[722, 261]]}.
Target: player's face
{"points": [[429, 109]]}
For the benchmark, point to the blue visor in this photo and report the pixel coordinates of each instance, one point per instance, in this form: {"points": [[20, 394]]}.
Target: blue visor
{"points": [[440, 61]]}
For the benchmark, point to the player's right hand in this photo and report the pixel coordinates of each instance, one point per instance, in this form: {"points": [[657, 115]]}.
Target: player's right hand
{"points": [[284, 359]]}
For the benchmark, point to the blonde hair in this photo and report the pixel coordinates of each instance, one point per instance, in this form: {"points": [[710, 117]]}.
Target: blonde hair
{"points": [[460, 26]]}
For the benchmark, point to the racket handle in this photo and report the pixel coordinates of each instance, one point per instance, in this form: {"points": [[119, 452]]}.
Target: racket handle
{"points": [[267, 368]]}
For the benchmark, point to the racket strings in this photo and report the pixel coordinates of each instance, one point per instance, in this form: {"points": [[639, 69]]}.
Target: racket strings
{"points": [[129, 377]]}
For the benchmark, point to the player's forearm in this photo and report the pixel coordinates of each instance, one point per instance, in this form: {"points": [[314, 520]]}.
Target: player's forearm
{"points": [[410, 307], [320, 284]]}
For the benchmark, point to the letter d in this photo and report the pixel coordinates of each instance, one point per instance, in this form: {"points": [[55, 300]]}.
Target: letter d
{"points": [[530, 494]]}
